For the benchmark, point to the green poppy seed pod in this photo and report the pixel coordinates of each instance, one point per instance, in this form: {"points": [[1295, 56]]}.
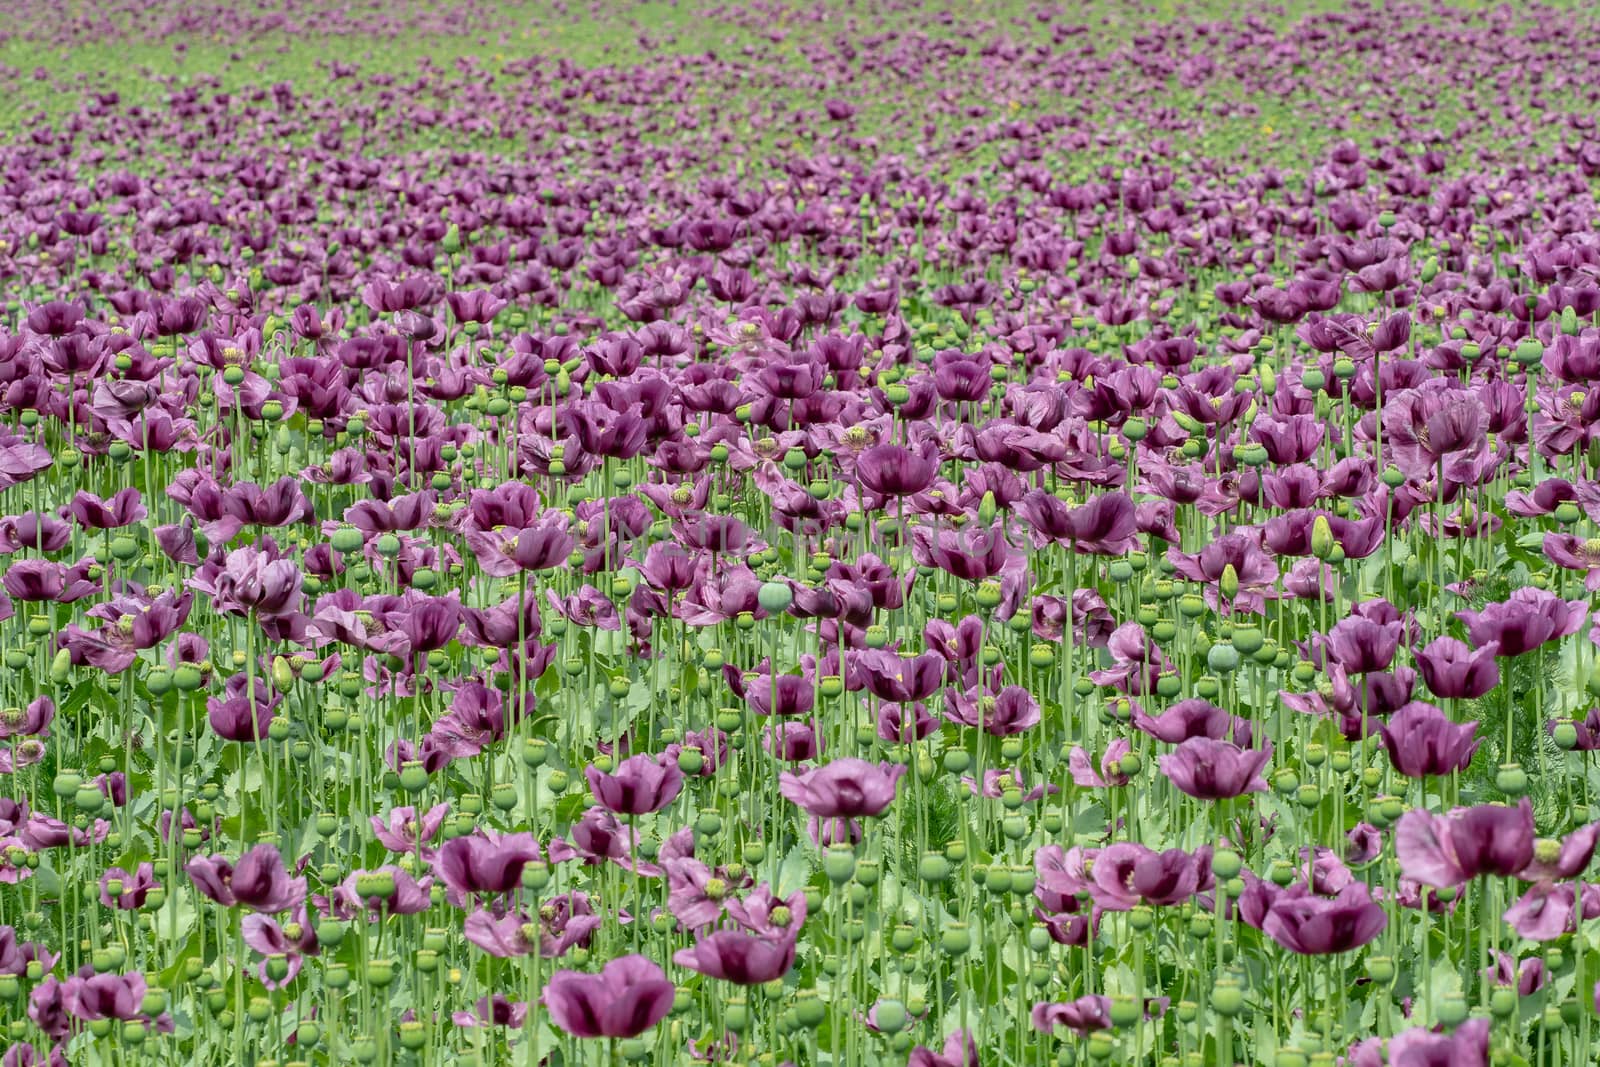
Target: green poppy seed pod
{"points": [[1222, 658], [1141, 918], [709, 824], [1529, 351], [308, 1035], [809, 1008], [503, 796], [1567, 513], [1511, 779], [1252, 455], [1227, 863], [1289, 1056], [955, 939], [691, 760], [1313, 380], [957, 761], [774, 597], [66, 784], [88, 798], [890, 1015], [1565, 736], [1192, 605], [413, 1035], [1392, 808], [10, 988], [259, 1010], [839, 863], [1502, 1002], [1227, 998], [1125, 1011], [1452, 1009], [413, 776], [618, 687], [379, 973], [1309, 795], [1381, 969]]}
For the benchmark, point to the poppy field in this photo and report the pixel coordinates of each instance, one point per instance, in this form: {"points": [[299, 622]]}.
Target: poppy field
{"points": [[815, 534]]}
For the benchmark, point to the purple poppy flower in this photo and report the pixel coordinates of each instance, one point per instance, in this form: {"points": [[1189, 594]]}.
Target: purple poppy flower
{"points": [[1105, 526], [960, 1050], [293, 940], [404, 831], [131, 889], [889, 676], [740, 957], [1526, 977], [1192, 718], [847, 788], [1214, 770], [104, 996], [1011, 711], [641, 784], [1549, 910], [257, 881], [627, 997], [1454, 671], [1126, 874], [1524, 621], [1423, 742], [485, 861], [1449, 850], [1360, 645], [1314, 925], [1084, 1015]]}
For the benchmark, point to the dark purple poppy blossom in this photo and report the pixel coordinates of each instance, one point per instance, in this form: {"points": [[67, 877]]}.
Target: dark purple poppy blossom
{"points": [[627, 997], [257, 881], [1524, 621], [1423, 742], [843, 789], [486, 862], [640, 784], [124, 891], [1453, 671], [1194, 717], [1360, 645], [1084, 1015], [1214, 770], [741, 957], [1104, 526], [1550, 910], [1011, 711], [901, 680], [1314, 925], [1449, 850], [1128, 874]]}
